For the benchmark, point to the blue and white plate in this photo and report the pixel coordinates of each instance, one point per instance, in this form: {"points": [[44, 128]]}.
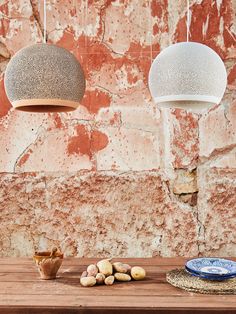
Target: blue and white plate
{"points": [[210, 277], [210, 266]]}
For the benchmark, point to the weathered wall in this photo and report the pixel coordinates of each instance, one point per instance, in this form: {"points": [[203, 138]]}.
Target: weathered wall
{"points": [[118, 176]]}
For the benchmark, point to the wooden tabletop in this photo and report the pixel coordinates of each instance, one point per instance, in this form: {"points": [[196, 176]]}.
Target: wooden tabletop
{"points": [[21, 291]]}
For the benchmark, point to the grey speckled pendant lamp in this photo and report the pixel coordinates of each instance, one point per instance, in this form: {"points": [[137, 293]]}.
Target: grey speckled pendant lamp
{"points": [[44, 78]]}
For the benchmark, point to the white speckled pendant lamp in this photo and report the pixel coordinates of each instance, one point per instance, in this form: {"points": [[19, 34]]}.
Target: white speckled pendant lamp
{"points": [[187, 75], [44, 78]]}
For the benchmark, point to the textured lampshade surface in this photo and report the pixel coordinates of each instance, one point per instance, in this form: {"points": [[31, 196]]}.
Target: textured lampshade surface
{"points": [[44, 78], [187, 75]]}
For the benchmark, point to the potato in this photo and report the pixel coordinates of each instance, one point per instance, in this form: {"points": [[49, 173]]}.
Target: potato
{"points": [[92, 270], [138, 273], [105, 267], [84, 274], [128, 267], [122, 277], [88, 281], [100, 278], [109, 280], [120, 267]]}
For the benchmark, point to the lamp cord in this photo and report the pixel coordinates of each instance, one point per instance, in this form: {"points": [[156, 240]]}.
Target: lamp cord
{"points": [[188, 18], [44, 22], [150, 31]]}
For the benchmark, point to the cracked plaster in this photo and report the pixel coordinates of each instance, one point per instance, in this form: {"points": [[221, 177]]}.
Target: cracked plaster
{"points": [[101, 180]]}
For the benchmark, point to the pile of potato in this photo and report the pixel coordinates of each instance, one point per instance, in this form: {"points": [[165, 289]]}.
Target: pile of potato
{"points": [[106, 272]]}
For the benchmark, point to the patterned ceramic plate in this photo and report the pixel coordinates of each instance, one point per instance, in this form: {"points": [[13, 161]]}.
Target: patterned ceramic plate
{"points": [[212, 267], [209, 277]]}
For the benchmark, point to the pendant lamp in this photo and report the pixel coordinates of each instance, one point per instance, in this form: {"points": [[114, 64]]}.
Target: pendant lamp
{"points": [[187, 75], [44, 78]]}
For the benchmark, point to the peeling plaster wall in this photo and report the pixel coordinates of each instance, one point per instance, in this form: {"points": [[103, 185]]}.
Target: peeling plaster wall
{"points": [[118, 176]]}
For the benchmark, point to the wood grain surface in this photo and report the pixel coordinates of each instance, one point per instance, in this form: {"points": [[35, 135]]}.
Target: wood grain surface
{"points": [[22, 291]]}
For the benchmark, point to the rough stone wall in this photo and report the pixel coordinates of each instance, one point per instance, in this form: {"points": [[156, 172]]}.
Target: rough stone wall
{"points": [[118, 176]]}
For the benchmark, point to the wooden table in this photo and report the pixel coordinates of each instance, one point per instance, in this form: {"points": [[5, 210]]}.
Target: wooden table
{"points": [[21, 291]]}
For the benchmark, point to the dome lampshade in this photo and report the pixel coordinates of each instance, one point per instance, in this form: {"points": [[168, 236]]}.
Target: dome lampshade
{"points": [[44, 78], [187, 75]]}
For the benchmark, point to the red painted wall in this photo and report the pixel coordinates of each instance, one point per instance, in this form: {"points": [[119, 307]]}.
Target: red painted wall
{"points": [[118, 176]]}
